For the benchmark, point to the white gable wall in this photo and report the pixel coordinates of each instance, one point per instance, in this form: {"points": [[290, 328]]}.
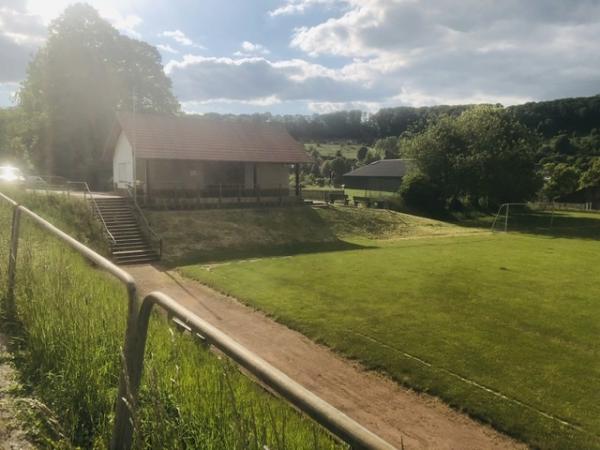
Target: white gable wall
{"points": [[123, 163]]}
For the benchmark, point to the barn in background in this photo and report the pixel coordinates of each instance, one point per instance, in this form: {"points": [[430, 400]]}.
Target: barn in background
{"points": [[377, 182]]}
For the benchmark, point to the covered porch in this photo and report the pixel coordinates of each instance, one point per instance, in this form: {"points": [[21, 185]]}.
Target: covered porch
{"points": [[163, 182]]}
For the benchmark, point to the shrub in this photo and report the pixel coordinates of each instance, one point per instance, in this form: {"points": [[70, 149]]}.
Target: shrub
{"points": [[418, 192]]}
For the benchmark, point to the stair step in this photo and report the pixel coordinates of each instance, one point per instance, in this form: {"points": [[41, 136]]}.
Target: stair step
{"points": [[134, 252], [130, 246], [122, 225], [119, 250]]}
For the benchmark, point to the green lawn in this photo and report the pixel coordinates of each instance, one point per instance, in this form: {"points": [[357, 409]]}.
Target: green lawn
{"points": [[458, 317]]}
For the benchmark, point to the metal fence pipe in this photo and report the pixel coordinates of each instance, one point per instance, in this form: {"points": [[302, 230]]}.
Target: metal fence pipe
{"points": [[126, 397], [322, 412], [12, 261]]}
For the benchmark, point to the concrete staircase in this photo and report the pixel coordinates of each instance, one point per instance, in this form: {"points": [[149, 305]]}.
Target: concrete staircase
{"points": [[131, 246]]}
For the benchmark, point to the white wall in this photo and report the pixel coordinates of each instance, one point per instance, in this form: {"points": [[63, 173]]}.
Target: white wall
{"points": [[123, 163]]}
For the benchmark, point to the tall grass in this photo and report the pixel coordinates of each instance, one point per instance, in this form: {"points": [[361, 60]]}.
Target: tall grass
{"points": [[69, 331]]}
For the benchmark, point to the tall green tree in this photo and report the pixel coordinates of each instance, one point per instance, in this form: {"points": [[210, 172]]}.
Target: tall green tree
{"points": [[561, 179], [484, 156], [591, 177], [13, 149], [387, 148], [85, 73]]}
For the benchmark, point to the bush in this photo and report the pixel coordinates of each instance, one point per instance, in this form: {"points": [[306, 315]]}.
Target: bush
{"points": [[418, 192]]}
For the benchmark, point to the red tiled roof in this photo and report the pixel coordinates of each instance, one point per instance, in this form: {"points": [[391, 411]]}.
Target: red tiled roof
{"points": [[206, 139]]}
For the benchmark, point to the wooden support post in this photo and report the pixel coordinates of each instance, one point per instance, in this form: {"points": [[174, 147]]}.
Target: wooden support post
{"points": [[297, 178]]}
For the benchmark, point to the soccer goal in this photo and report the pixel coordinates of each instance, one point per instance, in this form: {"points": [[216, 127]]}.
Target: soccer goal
{"points": [[523, 217]]}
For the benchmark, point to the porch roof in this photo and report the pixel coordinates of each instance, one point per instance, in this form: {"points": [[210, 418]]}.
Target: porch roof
{"points": [[205, 139]]}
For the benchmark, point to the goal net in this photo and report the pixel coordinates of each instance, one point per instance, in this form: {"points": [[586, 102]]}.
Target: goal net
{"points": [[547, 219], [524, 217]]}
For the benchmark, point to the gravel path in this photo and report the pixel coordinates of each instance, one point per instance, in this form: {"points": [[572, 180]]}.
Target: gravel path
{"points": [[396, 414]]}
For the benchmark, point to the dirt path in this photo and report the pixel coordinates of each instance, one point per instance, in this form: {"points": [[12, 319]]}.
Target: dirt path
{"points": [[393, 412], [12, 434]]}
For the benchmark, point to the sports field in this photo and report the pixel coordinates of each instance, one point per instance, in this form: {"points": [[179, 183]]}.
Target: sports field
{"points": [[502, 326]]}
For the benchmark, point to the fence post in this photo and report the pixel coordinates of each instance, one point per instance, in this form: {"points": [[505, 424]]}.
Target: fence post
{"points": [[12, 260], [129, 379]]}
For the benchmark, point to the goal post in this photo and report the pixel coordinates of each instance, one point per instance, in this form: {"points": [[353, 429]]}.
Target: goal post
{"points": [[523, 216]]}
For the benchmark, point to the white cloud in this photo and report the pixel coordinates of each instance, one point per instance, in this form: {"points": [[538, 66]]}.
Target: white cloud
{"points": [[256, 80], [249, 49], [329, 107], [117, 12], [167, 48], [300, 6], [180, 37], [125, 23], [21, 33], [442, 51]]}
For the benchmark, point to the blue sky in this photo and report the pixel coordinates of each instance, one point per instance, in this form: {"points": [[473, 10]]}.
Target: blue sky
{"points": [[305, 56]]}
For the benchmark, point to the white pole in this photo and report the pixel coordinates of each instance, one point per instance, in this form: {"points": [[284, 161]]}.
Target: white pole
{"points": [[506, 218]]}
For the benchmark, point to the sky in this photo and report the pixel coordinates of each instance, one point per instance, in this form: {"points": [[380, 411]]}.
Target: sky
{"points": [[315, 56]]}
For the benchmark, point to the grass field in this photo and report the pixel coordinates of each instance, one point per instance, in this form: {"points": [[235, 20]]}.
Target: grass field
{"points": [[67, 339], [502, 326]]}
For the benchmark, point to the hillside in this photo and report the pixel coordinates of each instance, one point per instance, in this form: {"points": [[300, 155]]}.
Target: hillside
{"points": [[213, 235]]}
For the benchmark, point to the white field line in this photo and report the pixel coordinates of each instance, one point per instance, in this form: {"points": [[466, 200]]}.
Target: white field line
{"points": [[478, 385]]}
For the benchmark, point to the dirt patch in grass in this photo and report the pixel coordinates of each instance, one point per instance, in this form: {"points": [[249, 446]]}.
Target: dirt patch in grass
{"points": [[13, 434]]}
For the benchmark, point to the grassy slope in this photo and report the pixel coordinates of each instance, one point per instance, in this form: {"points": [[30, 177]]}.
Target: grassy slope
{"points": [[214, 235], [329, 150], [70, 214], [69, 335], [515, 313]]}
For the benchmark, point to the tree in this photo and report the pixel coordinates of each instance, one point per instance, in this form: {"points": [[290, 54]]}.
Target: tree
{"points": [[12, 146], [339, 166], [561, 179], [484, 156], [85, 73], [362, 152], [387, 147], [591, 177], [562, 145], [419, 193]]}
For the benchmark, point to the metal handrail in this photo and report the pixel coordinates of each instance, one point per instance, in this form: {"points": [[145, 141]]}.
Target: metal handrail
{"points": [[122, 407], [86, 192], [318, 409], [138, 316], [145, 221]]}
